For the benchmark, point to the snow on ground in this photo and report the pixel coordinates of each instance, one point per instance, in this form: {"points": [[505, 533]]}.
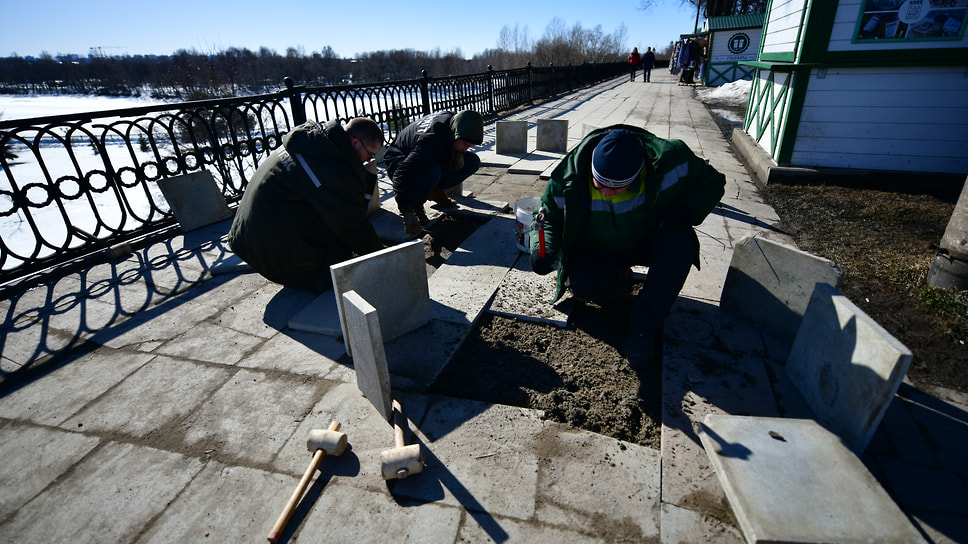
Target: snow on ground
{"points": [[734, 94], [35, 105]]}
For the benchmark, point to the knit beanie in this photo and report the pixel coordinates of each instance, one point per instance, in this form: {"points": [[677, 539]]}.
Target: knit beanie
{"points": [[468, 125], [617, 159]]}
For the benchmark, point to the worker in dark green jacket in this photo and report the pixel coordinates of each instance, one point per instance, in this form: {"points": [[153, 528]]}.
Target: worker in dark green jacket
{"points": [[305, 207], [625, 197]]}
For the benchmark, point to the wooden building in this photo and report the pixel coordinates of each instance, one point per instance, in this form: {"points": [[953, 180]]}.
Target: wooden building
{"points": [[732, 40], [876, 85]]}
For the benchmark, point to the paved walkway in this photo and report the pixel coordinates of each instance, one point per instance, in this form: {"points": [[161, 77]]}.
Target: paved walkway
{"points": [[162, 403]]}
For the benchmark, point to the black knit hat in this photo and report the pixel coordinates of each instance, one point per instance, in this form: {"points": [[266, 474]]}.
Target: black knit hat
{"points": [[468, 125], [617, 159]]}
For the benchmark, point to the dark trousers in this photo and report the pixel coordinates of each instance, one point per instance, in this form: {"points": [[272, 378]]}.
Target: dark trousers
{"points": [[647, 73], [600, 276], [436, 177]]}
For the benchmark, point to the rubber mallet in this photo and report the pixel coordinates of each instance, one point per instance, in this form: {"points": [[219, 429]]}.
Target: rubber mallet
{"points": [[321, 442], [403, 460]]}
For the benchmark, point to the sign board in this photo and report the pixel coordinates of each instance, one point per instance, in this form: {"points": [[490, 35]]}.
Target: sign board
{"points": [[910, 20]]}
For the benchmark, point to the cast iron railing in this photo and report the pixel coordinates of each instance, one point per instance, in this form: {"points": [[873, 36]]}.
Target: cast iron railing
{"points": [[82, 184]]}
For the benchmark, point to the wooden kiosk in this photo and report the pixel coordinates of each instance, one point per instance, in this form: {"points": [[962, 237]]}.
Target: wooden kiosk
{"points": [[879, 85]]}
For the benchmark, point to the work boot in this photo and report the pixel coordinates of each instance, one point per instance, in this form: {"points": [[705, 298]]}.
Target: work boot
{"points": [[418, 210], [441, 198], [643, 349], [411, 224]]}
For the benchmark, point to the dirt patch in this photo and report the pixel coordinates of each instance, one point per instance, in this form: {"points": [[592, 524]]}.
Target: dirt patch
{"points": [[576, 374], [882, 240]]}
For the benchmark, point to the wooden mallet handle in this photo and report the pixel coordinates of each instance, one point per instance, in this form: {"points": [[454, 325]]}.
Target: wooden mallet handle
{"points": [[276, 531]]}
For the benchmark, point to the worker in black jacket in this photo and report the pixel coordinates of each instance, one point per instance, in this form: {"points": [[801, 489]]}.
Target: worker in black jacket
{"points": [[305, 207], [430, 156]]}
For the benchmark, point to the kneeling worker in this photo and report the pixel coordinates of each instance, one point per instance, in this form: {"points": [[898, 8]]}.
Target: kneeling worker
{"points": [[430, 156], [625, 197], [305, 207]]}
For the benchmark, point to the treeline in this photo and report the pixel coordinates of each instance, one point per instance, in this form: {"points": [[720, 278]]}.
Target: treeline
{"points": [[190, 74]]}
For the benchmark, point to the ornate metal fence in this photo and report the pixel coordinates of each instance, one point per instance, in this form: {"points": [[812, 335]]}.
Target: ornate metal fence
{"points": [[77, 185]]}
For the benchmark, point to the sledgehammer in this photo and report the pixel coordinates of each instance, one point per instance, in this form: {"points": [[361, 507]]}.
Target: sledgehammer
{"points": [[403, 460], [322, 442]]}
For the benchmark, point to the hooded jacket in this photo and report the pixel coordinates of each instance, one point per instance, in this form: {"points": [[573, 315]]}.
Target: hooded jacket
{"points": [[674, 177], [422, 144], [290, 225]]}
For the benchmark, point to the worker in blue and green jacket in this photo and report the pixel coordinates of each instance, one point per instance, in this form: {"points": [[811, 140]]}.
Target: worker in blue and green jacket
{"points": [[625, 197]]}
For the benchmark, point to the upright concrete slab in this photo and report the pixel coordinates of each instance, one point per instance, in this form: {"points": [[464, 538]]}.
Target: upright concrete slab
{"points": [[511, 137], [394, 281], [791, 480], [553, 135], [369, 357], [195, 199], [770, 283], [847, 367]]}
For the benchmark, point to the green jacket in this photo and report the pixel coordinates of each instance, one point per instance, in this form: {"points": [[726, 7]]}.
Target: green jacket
{"points": [[290, 227], [674, 176]]}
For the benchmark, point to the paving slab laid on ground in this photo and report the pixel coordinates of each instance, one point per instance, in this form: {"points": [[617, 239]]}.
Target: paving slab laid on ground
{"points": [[791, 480]]}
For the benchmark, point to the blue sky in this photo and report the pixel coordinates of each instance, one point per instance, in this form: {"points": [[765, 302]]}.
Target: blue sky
{"points": [[136, 27]]}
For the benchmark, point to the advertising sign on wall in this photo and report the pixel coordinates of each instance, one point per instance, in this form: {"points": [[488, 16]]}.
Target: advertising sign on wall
{"points": [[909, 20]]}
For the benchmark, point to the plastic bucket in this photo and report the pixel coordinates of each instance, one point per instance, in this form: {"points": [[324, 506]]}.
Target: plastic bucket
{"points": [[523, 214]]}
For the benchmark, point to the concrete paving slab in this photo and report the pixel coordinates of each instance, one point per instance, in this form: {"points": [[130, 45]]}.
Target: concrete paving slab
{"points": [[369, 359], [223, 503], [55, 395], [197, 344], [149, 328], [770, 283], [247, 420], [367, 433], [782, 476], [847, 367], [56, 450], [401, 298], [535, 162], [512, 530], [684, 525], [482, 261], [552, 135], [477, 458], [126, 485], [511, 137], [296, 352], [368, 516], [416, 359], [321, 316], [606, 480], [158, 393], [195, 199]]}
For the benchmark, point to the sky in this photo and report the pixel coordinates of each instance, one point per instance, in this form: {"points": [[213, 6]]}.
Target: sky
{"points": [[132, 27]]}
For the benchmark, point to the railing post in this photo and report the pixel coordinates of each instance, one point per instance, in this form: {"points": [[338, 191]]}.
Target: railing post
{"points": [[530, 84], [490, 90], [295, 101], [425, 92], [552, 66]]}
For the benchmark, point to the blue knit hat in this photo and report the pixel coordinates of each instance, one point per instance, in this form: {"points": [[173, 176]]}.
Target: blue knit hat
{"points": [[617, 159]]}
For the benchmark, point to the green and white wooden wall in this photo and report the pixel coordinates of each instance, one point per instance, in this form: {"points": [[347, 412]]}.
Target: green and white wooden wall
{"points": [[825, 94]]}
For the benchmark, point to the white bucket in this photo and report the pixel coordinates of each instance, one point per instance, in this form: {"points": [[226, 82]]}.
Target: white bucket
{"points": [[523, 213]]}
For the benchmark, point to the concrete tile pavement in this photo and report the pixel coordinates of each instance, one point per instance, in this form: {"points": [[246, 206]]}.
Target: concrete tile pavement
{"points": [[177, 402]]}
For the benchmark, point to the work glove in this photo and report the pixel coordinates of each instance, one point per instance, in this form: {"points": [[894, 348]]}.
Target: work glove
{"points": [[542, 265]]}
